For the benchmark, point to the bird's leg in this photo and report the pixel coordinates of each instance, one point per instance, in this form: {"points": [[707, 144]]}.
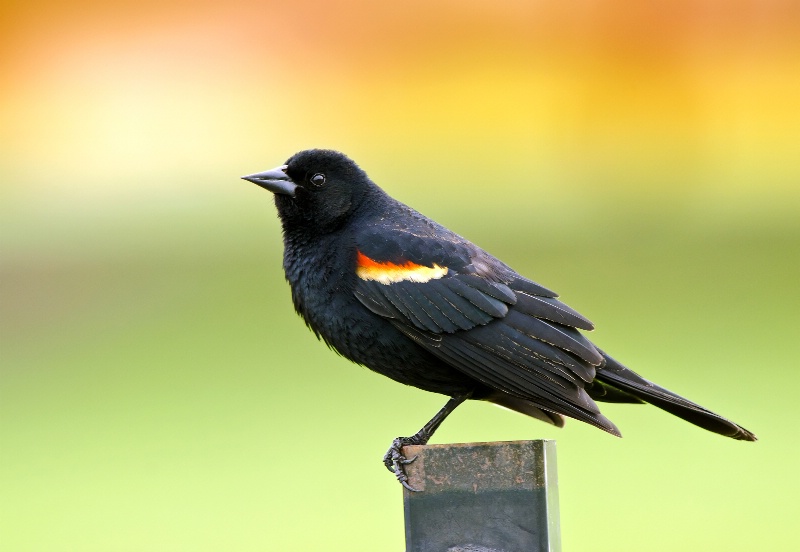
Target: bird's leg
{"points": [[394, 459]]}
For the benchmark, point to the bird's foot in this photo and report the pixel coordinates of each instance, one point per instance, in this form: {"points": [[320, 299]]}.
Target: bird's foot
{"points": [[395, 462]]}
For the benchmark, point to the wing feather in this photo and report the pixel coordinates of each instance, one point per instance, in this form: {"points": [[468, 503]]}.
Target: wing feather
{"points": [[417, 299], [451, 305], [485, 303], [479, 316], [409, 308], [524, 285], [544, 355], [498, 290], [497, 372], [553, 310], [564, 337]]}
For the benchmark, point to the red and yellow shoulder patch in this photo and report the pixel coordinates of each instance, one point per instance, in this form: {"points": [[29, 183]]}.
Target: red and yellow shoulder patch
{"points": [[390, 273]]}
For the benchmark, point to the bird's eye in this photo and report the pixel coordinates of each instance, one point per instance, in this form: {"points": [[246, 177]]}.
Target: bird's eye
{"points": [[318, 179]]}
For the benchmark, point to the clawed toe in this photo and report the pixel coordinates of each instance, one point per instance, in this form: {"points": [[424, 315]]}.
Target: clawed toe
{"points": [[409, 487], [394, 461]]}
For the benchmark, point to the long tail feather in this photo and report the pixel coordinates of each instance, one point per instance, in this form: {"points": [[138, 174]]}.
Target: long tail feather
{"points": [[616, 375]]}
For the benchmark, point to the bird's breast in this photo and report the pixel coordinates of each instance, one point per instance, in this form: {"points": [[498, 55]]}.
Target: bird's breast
{"points": [[323, 294], [322, 291]]}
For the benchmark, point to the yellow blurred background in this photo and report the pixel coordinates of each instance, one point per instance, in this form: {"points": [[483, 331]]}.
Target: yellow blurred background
{"points": [[158, 393]]}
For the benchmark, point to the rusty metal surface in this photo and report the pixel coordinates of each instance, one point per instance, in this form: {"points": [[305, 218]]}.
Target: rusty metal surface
{"points": [[487, 497]]}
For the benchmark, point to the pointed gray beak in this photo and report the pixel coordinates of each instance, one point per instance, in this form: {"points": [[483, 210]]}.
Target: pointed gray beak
{"points": [[275, 180]]}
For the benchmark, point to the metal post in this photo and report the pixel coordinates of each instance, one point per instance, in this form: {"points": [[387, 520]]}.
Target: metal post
{"points": [[482, 497]]}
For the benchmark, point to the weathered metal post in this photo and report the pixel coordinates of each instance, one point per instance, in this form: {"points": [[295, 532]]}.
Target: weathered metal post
{"points": [[483, 497]]}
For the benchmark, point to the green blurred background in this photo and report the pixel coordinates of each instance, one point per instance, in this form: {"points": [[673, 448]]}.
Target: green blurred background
{"points": [[158, 392]]}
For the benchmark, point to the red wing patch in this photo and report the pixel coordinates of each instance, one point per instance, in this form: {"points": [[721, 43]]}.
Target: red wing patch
{"points": [[390, 273]]}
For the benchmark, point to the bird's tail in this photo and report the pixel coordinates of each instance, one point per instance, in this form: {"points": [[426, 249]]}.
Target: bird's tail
{"points": [[631, 383]]}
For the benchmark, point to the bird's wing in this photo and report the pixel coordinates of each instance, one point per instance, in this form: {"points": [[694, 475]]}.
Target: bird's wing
{"points": [[442, 284], [481, 317]]}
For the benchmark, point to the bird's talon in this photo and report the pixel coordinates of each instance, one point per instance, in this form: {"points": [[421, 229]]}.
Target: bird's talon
{"points": [[409, 487], [394, 460]]}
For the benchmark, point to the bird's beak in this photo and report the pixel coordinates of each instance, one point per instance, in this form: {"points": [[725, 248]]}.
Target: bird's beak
{"points": [[275, 180]]}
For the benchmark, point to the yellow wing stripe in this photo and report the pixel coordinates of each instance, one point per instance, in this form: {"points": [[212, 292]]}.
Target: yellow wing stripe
{"points": [[390, 273]]}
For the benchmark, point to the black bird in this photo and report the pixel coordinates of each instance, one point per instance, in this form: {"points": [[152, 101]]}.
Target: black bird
{"points": [[404, 296]]}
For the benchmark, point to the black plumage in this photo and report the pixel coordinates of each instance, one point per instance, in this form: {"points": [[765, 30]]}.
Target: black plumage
{"points": [[393, 290]]}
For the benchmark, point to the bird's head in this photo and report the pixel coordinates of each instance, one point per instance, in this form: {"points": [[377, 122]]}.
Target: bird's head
{"points": [[316, 188]]}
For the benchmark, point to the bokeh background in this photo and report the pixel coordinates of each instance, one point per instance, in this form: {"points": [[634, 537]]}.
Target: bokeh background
{"points": [[157, 391]]}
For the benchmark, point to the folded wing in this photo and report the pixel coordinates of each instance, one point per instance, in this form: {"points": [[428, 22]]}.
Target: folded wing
{"points": [[478, 315]]}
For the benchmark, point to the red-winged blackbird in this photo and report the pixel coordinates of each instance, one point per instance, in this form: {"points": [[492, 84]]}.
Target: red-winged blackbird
{"points": [[393, 290]]}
